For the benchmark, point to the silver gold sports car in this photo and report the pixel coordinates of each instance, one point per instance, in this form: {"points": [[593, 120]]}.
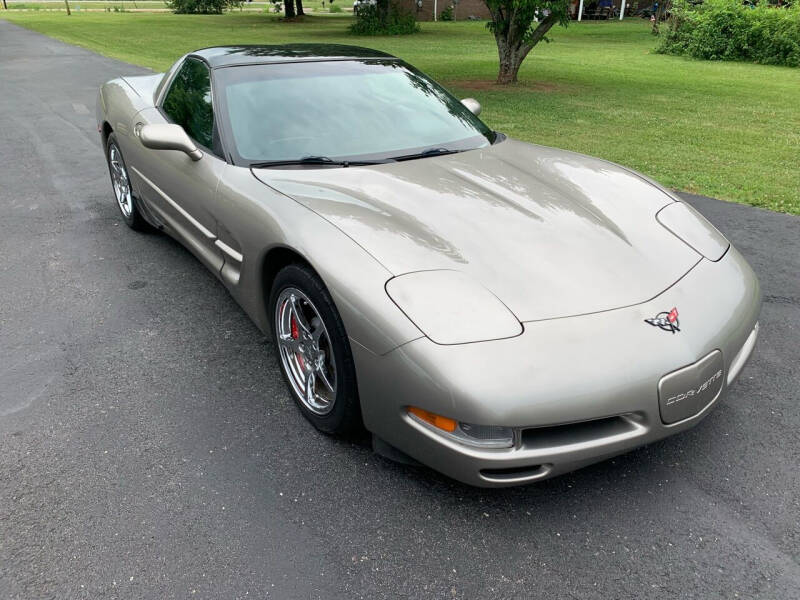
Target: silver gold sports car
{"points": [[500, 311]]}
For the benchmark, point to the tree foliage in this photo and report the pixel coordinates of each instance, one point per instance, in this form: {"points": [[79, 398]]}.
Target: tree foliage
{"points": [[202, 7], [729, 30], [518, 25], [384, 18]]}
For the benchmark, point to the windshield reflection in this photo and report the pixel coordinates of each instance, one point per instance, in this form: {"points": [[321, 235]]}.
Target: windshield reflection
{"points": [[343, 110]]}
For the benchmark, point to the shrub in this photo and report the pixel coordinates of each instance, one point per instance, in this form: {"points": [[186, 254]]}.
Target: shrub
{"points": [[374, 20], [335, 8], [730, 30], [446, 14], [203, 7]]}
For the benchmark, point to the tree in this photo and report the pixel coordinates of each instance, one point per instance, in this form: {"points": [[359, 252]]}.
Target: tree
{"points": [[385, 17], [516, 29], [662, 9], [202, 7], [289, 10]]}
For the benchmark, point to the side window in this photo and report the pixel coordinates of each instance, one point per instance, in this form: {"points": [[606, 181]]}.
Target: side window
{"points": [[188, 102]]}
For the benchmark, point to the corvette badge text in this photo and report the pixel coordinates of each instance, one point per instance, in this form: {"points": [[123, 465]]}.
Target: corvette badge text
{"points": [[694, 392], [668, 321]]}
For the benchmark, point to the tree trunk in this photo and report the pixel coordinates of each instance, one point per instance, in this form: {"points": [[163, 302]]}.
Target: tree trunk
{"points": [[300, 12], [660, 12], [382, 9], [69, 12], [288, 9], [510, 63], [512, 51]]}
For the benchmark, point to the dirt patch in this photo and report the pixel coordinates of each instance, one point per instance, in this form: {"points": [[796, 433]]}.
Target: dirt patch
{"points": [[486, 84]]}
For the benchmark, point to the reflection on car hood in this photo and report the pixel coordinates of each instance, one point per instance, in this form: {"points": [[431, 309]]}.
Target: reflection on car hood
{"points": [[550, 232]]}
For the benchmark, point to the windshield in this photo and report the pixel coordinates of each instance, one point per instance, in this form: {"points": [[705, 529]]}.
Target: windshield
{"points": [[341, 110]]}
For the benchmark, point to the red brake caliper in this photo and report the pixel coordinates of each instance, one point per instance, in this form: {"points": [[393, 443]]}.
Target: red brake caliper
{"points": [[296, 335]]}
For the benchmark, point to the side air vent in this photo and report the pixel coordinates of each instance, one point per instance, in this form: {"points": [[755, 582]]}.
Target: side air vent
{"points": [[594, 432], [515, 474]]}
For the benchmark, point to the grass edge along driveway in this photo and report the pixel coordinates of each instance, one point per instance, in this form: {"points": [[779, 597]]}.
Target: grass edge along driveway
{"points": [[727, 130]]}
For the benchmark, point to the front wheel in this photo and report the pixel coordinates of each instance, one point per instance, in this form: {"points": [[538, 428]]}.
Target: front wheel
{"points": [[123, 191], [313, 351]]}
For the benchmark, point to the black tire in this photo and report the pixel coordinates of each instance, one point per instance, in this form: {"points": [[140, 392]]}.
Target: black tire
{"points": [[344, 419], [134, 220]]}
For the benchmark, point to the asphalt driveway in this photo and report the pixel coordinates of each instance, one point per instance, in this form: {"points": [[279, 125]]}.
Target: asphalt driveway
{"points": [[148, 447]]}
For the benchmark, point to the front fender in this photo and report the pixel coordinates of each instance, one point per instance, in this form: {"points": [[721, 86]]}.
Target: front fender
{"points": [[258, 219]]}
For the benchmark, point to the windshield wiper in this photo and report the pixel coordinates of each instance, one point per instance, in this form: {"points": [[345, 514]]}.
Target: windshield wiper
{"points": [[427, 153], [317, 160]]}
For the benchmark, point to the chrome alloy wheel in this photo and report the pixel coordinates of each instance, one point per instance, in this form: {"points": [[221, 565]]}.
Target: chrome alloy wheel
{"points": [[120, 181], [306, 351]]}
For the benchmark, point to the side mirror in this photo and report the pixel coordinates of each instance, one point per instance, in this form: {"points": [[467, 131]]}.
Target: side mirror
{"points": [[168, 137], [473, 105]]}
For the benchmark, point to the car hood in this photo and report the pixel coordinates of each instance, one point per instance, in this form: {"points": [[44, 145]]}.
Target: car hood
{"points": [[549, 232]]}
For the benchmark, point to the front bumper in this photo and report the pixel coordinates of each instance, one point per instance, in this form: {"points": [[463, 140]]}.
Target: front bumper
{"points": [[577, 390]]}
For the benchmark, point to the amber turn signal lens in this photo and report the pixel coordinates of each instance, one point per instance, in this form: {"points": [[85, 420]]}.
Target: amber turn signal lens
{"points": [[439, 421]]}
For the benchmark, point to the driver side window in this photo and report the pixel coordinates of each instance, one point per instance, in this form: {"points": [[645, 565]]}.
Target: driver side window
{"points": [[188, 102]]}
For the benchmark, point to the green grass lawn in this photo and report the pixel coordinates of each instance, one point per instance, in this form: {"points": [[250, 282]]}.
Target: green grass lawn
{"points": [[78, 6], [144, 5], [728, 130]]}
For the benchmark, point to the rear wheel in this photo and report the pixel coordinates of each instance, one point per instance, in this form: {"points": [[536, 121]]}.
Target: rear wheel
{"points": [[123, 191], [314, 352]]}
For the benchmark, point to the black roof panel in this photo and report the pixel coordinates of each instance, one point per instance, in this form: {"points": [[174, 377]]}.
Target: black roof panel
{"points": [[224, 56]]}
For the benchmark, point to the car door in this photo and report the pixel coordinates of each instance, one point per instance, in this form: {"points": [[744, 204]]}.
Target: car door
{"points": [[181, 191]]}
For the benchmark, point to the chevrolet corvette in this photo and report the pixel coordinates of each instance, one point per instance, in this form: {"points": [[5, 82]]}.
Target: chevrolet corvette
{"points": [[500, 311]]}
